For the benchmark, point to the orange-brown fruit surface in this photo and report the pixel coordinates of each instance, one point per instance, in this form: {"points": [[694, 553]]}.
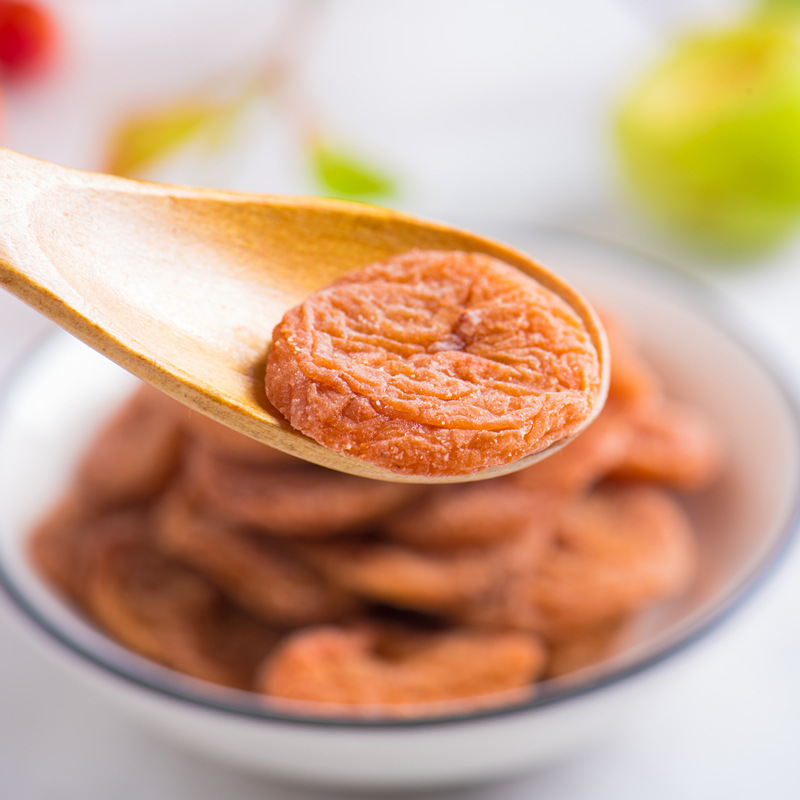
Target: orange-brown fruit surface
{"points": [[370, 666], [434, 363], [168, 612], [213, 555], [254, 570]]}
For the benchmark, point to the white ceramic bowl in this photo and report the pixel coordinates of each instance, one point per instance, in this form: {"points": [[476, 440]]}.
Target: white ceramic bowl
{"points": [[56, 399]]}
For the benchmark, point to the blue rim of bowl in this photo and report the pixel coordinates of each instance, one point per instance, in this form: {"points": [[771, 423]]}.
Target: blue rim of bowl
{"points": [[548, 693]]}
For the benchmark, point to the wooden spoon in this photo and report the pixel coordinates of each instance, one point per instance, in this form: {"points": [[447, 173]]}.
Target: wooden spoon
{"points": [[183, 286]]}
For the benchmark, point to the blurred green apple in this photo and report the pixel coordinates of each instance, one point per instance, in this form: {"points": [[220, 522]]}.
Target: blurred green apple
{"points": [[710, 139]]}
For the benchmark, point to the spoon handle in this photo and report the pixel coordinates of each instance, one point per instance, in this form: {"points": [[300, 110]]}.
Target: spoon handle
{"points": [[48, 262], [29, 207]]}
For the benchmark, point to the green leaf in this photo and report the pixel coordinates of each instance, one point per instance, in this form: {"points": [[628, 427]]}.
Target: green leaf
{"points": [[344, 175], [779, 5], [779, 12], [143, 141]]}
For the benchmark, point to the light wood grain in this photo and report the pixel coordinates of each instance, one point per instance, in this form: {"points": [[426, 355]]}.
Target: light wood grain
{"points": [[183, 286]]}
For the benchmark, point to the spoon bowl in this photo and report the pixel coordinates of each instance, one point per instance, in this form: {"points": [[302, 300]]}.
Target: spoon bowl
{"points": [[183, 286]]}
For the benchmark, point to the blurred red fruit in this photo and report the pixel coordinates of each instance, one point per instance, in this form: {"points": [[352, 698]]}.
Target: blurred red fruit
{"points": [[27, 38]]}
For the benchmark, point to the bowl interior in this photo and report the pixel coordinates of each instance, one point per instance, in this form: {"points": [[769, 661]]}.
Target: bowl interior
{"points": [[58, 398]]}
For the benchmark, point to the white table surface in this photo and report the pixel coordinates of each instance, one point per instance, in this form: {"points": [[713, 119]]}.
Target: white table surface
{"points": [[528, 91]]}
